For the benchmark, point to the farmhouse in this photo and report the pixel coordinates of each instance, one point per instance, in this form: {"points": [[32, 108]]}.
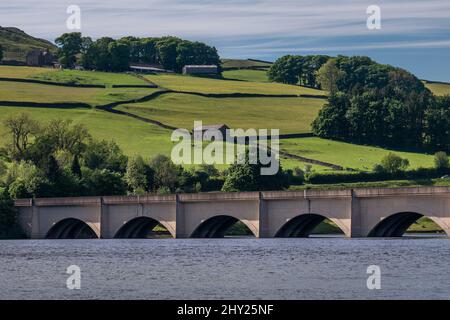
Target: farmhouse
{"points": [[213, 129], [200, 69], [38, 58]]}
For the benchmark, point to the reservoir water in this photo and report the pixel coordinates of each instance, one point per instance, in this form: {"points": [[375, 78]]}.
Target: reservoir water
{"points": [[315, 268]]}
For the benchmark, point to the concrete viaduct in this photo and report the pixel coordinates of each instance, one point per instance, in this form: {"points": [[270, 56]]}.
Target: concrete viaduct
{"points": [[371, 212]]}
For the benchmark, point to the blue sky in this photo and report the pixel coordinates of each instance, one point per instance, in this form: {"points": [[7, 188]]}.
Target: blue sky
{"points": [[415, 34]]}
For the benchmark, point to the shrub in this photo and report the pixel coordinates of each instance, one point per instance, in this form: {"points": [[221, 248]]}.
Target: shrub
{"points": [[441, 160], [393, 163]]}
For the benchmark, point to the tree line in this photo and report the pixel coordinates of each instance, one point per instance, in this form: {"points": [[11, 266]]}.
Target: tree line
{"points": [[1, 53], [108, 54], [297, 70], [370, 103], [60, 158]]}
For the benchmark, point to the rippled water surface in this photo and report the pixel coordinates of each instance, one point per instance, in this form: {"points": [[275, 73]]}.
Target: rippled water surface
{"points": [[226, 268]]}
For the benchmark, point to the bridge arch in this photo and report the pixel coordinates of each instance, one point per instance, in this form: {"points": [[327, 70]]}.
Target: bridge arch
{"points": [[217, 227], [395, 225], [71, 228], [139, 228], [303, 225]]}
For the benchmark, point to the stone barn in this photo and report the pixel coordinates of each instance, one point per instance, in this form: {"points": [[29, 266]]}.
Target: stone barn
{"points": [[222, 128], [200, 69]]}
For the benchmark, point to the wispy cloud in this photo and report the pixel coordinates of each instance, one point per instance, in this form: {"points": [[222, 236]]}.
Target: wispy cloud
{"points": [[208, 18]]}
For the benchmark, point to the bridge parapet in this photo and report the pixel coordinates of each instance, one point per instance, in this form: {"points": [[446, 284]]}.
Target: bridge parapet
{"points": [[23, 203], [48, 202], [306, 194], [139, 199], [409, 191], [218, 196]]}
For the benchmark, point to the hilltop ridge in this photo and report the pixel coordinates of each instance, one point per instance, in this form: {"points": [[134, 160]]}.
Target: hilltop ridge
{"points": [[17, 43]]}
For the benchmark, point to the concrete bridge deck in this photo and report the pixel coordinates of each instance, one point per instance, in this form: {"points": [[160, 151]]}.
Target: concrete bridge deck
{"points": [[365, 212]]}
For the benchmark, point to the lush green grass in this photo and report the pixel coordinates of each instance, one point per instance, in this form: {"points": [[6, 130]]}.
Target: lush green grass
{"points": [[348, 155], [243, 63], [89, 77], [290, 115], [327, 227], [208, 85], [246, 75], [424, 224], [22, 72], [31, 92], [70, 76], [134, 136], [439, 89]]}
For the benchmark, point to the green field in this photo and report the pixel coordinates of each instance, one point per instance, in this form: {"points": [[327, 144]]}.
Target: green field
{"points": [[133, 136], [31, 92], [438, 88], [89, 77], [22, 72], [71, 76], [244, 63], [290, 115], [246, 75], [348, 155], [206, 85]]}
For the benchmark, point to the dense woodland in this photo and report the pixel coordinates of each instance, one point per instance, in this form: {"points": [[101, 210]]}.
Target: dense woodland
{"points": [[370, 103], [107, 54]]}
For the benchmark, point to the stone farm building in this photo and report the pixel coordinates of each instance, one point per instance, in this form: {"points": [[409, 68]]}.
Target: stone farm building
{"points": [[38, 58], [222, 128], [200, 69]]}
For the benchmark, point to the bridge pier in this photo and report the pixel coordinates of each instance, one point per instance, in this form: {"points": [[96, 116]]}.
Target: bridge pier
{"points": [[358, 213]]}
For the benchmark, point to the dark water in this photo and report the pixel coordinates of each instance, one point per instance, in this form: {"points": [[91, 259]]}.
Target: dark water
{"points": [[226, 268]]}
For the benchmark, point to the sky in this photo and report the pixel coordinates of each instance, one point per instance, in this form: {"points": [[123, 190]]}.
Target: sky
{"points": [[414, 34]]}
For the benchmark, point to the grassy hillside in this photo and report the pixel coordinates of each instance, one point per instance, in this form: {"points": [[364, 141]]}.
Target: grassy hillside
{"points": [[30, 92], [206, 85], [22, 72], [89, 77], [438, 88], [70, 76], [134, 137], [348, 155], [290, 115], [244, 64], [16, 43], [246, 75]]}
